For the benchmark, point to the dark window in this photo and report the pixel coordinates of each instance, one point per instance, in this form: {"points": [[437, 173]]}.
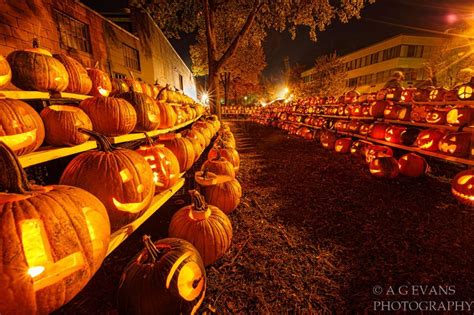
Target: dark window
{"points": [[181, 85], [415, 51], [72, 33], [118, 75], [375, 58], [131, 57], [391, 53], [353, 82], [379, 77]]}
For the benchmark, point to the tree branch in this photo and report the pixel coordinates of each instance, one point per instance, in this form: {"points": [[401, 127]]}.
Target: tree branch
{"points": [[210, 34], [235, 43]]}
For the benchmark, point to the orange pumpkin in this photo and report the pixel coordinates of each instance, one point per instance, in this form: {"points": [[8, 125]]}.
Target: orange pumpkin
{"points": [[79, 81], [221, 191], [412, 165], [5, 72], [228, 153], [101, 84], [204, 130], [181, 147], [219, 166], [462, 187], [118, 87], [343, 145], [122, 179], [429, 139], [456, 143], [148, 113], [198, 140], [168, 116], [384, 167]]}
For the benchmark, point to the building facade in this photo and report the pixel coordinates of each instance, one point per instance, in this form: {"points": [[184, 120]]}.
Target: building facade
{"points": [[70, 27], [368, 69]]}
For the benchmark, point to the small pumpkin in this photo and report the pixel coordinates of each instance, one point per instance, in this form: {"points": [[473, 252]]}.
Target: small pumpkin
{"points": [[205, 226], [21, 128], [429, 139], [462, 187], [148, 113], [219, 165], [167, 277], [364, 129], [168, 116], [181, 147], [5, 72], [221, 191], [412, 165], [393, 133], [456, 143], [110, 116], [384, 167], [101, 84], [79, 81], [228, 153], [358, 148], [61, 123], [343, 145]]}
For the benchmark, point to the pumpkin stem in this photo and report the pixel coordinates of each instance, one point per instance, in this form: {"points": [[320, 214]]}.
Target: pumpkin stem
{"points": [[462, 127], [199, 203], [153, 252], [12, 178], [205, 173], [148, 139], [36, 42], [161, 91], [102, 141]]}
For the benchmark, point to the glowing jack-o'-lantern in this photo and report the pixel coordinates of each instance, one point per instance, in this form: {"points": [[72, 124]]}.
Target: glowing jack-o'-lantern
{"points": [[203, 225], [328, 140], [393, 134], [358, 148], [55, 238], [437, 95], [101, 84], [122, 179], [436, 116], [409, 136], [167, 277], [384, 167], [221, 191], [148, 112], [5, 72], [375, 151], [460, 116], [466, 92], [163, 163], [377, 130], [456, 143], [429, 139], [462, 187], [181, 147], [377, 108], [412, 165], [343, 145], [21, 128]]}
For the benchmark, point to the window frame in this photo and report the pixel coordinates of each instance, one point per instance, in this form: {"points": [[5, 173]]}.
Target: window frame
{"points": [[67, 37]]}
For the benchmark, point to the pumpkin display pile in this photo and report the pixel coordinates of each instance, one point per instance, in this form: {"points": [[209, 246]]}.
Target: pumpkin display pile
{"points": [[379, 126]]}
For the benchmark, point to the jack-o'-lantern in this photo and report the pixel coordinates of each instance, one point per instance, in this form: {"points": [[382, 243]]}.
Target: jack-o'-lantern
{"points": [[377, 130], [101, 84], [391, 111], [21, 128], [351, 96], [462, 187], [197, 139], [409, 136], [181, 147], [403, 112], [343, 145], [460, 116], [356, 110], [412, 165], [456, 143], [381, 94], [394, 94], [110, 116], [79, 81], [366, 111], [436, 116], [466, 92], [5, 72], [384, 167], [61, 123], [341, 125], [204, 129], [437, 95], [341, 110], [54, 239], [354, 126], [148, 112], [167, 277], [122, 179], [393, 134], [422, 95], [221, 191], [36, 69], [328, 140], [320, 122], [407, 95], [203, 225], [118, 87], [163, 163], [377, 108], [429, 139], [168, 116], [228, 153], [418, 113], [374, 151], [359, 148]]}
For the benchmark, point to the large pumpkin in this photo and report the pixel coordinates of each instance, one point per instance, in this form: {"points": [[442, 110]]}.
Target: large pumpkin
{"points": [[79, 81], [21, 128], [377, 108], [377, 130], [412, 165], [109, 115], [36, 69], [167, 115], [167, 277], [101, 84], [384, 167], [120, 178], [181, 147], [221, 191], [198, 140], [219, 165], [462, 187], [429, 139], [204, 130], [148, 113], [163, 163], [456, 143], [5, 72], [53, 239], [61, 123], [205, 226]]}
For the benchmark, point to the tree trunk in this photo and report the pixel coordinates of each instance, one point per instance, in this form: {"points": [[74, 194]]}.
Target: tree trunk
{"points": [[214, 89]]}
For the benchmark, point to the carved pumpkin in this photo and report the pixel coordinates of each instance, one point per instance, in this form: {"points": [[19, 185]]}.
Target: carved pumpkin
{"points": [[122, 179], [356, 110], [456, 143], [393, 133], [61, 123], [101, 84], [374, 151], [118, 87], [437, 95], [5, 72], [377, 130], [167, 277], [429, 139], [204, 129], [146, 88], [228, 153], [466, 92], [181, 147], [221, 191], [181, 116], [21, 128], [364, 129], [358, 148], [351, 96], [54, 239], [341, 125], [409, 136], [460, 116], [384, 167], [205, 226], [418, 113], [163, 163], [354, 126], [436, 116], [219, 165], [79, 81], [109, 115], [148, 113], [391, 111], [328, 140], [134, 85], [377, 108], [343, 145], [197, 139], [167, 115], [462, 187], [36, 69], [412, 165], [422, 95]]}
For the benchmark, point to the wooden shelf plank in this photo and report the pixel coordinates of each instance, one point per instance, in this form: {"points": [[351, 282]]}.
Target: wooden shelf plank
{"points": [[74, 96], [426, 125], [25, 95], [158, 201], [48, 153]]}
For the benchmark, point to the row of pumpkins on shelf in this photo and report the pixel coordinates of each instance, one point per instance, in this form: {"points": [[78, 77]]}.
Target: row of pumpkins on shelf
{"points": [[56, 237], [36, 69], [453, 115], [24, 130], [380, 158]]}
